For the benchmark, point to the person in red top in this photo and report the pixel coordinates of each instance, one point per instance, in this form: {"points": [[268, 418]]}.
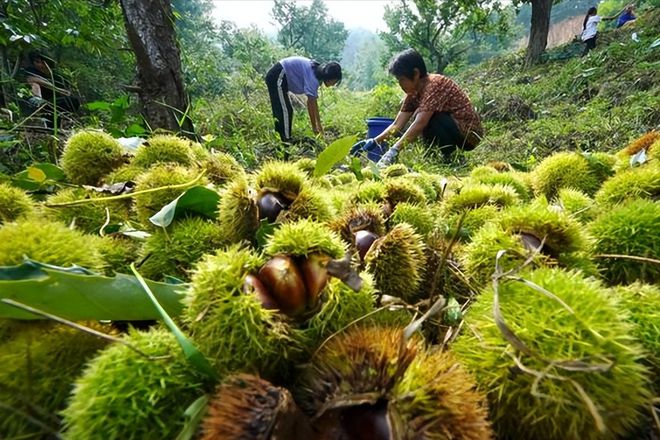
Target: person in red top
{"points": [[443, 113]]}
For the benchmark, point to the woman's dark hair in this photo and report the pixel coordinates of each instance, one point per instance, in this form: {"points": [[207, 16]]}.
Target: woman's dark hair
{"points": [[405, 63], [592, 11], [327, 71]]}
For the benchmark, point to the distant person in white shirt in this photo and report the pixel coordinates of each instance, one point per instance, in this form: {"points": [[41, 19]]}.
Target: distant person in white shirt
{"points": [[590, 29]]}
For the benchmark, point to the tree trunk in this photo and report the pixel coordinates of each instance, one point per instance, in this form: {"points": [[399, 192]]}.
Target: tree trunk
{"points": [[150, 28], [538, 32]]}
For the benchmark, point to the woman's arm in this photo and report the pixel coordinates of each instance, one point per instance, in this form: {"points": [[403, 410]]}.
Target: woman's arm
{"points": [[314, 117], [416, 128], [39, 82], [397, 126]]}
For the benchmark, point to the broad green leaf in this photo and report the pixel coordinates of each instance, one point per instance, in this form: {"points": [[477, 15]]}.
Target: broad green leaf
{"points": [[36, 174], [375, 170], [356, 167], [192, 354], [334, 153], [135, 130], [33, 178], [265, 230], [98, 105], [193, 414], [77, 294], [198, 200]]}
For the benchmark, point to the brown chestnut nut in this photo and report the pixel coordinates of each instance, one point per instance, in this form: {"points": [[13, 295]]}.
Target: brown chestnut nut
{"points": [[285, 283], [253, 286], [270, 205], [363, 241], [315, 274]]}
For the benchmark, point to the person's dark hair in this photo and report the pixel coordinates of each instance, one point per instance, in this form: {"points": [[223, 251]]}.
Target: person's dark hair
{"points": [[327, 71], [592, 11], [405, 63], [36, 55]]}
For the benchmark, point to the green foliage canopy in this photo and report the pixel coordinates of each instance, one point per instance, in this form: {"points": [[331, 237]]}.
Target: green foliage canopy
{"points": [[308, 29]]}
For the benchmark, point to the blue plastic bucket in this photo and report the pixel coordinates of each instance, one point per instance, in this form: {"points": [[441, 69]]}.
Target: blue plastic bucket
{"points": [[377, 125]]}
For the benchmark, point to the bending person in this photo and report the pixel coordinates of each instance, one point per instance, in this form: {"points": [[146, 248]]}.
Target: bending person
{"points": [[298, 75], [443, 114], [48, 88]]}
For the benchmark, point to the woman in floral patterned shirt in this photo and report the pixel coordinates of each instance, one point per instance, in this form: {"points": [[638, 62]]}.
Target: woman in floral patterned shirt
{"points": [[444, 115]]}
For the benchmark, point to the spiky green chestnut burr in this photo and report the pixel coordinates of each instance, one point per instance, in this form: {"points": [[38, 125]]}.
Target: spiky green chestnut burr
{"points": [[231, 327], [601, 164], [159, 176], [47, 242], [564, 170], [640, 182], [361, 217], [369, 192], [303, 238], [309, 203], [89, 155], [641, 302], [482, 171], [174, 252], [118, 252], [582, 379], [124, 173], [14, 203], [88, 217], [146, 396], [364, 384], [346, 178], [248, 407], [630, 229], [430, 184], [306, 165], [284, 195], [396, 170], [238, 214], [164, 148], [520, 230], [576, 204], [419, 217], [38, 366], [221, 168], [508, 178], [340, 307], [397, 262], [401, 189], [474, 196], [281, 177], [473, 220]]}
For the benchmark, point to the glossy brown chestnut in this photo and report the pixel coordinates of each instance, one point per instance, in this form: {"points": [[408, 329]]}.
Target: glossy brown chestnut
{"points": [[253, 286], [270, 205], [285, 283], [315, 274], [363, 241]]}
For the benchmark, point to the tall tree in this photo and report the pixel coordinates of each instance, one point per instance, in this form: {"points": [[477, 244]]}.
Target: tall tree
{"points": [[434, 27], [538, 30], [308, 29], [150, 29]]}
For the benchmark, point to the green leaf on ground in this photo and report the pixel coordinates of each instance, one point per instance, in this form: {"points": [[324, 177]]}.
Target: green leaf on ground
{"points": [[37, 176], [78, 294], [195, 357], [334, 153], [198, 200]]}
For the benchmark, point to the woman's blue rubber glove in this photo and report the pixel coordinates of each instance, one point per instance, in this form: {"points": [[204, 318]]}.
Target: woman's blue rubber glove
{"points": [[388, 158]]}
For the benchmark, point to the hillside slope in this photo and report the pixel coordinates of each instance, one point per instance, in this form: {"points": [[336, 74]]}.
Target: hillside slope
{"points": [[594, 103]]}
